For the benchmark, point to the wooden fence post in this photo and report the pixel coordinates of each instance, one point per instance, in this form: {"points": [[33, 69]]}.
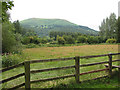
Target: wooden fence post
{"points": [[119, 76], [27, 74], [110, 65], [77, 67]]}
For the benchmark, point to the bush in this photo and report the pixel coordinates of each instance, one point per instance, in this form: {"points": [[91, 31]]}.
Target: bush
{"points": [[81, 39], [54, 42], [10, 41], [92, 40], [44, 41], [60, 40], [69, 39], [31, 45], [111, 40], [26, 40], [9, 60]]}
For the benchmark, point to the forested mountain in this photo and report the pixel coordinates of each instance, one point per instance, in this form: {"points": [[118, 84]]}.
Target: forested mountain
{"points": [[44, 26]]}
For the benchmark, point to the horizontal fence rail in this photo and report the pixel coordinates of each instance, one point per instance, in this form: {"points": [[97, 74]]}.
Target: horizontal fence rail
{"points": [[12, 67], [93, 56], [55, 78], [94, 71], [51, 69], [51, 60], [77, 66], [11, 78]]}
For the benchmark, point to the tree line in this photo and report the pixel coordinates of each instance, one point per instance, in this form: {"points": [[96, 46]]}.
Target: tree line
{"points": [[110, 28], [72, 38]]}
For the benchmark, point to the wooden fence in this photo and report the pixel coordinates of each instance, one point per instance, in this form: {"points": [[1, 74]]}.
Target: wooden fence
{"points": [[77, 66]]}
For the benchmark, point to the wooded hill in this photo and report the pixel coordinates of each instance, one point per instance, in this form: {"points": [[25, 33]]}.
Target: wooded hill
{"points": [[44, 26]]}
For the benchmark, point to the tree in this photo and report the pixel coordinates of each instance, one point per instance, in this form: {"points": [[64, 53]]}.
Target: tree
{"points": [[60, 40], [5, 7], [17, 26], [9, 42], [81, 39], [108, 27], [69, 39], [92, 40]]}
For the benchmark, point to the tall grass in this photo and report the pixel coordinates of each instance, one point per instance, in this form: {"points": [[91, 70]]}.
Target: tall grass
{"points": [[59, 52]]}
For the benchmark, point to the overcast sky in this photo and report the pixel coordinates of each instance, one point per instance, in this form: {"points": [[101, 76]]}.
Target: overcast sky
{"points": [[82, 12]]}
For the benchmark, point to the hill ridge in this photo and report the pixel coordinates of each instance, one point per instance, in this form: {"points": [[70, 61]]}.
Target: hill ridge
{"points": [[43, 26]]}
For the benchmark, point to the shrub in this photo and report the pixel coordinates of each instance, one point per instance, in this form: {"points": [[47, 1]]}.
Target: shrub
{"points": [[69, 39], [60, 40], [44, 41], [9, 60], [92, 40], [31, 45], [81, 39], [26, 40], [111, 40], [10, 41], [54, 42]]}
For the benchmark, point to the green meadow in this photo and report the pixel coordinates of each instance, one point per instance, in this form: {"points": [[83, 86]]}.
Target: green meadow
{"points": [[63, 52]]}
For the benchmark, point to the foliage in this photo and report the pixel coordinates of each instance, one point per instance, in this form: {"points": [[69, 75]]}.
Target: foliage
{"points": [[5, 7], [53, 34], [9, 60], [31, 39], [81, 39], [60, 40], [69, 39], [25, 40], [111, 40], [18, 28], [108, 27], [92, 39], [10, 42], [44, 40], [31, 45]]}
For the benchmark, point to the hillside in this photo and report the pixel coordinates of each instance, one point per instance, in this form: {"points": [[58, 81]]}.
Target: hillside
{"points": [[43, 26]]}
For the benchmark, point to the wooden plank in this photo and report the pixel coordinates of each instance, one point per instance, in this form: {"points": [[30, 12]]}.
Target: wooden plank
{"points": [[11, 78], [110, 65], [27, 74], [115, 60], [11, 67], [51, 69], [95, 78], [83, 65], [18, 86], [51, 60], [55, 78], [93, 56], [119, 75], [77, 68], [114, 53], [113, 66], [94, 71]]}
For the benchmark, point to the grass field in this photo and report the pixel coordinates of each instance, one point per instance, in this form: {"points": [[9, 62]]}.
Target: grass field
{"points": [[60, 52], [70, 51]]}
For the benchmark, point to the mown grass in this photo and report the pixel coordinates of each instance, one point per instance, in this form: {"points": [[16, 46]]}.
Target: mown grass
{"points": [[61, 52]]}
